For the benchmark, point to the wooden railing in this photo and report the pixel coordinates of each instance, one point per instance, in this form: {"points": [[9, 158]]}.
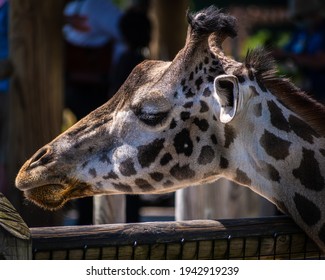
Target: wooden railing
{"points": [[258, 238]]}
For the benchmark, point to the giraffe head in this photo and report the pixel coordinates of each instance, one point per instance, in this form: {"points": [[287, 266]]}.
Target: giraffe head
{"points": [[157, 134]]}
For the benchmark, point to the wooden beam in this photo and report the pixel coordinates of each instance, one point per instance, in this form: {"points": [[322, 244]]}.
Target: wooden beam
{"points": [[36, 90], [266, 238]]}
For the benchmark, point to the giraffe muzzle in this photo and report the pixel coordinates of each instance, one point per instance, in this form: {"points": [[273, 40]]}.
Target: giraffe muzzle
{"points": [[49, 197], [54, 196]]}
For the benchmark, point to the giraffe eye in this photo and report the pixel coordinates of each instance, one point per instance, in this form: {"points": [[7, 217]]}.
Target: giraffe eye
{"points": [[152, 119], [153, 111]]}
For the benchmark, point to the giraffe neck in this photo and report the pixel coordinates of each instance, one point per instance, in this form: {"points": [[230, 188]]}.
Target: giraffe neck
{"points": [[281, 157]]}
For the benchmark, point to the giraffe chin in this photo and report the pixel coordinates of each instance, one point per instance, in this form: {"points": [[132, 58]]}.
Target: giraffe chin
{"points": [[49, 197], [54, 196]]}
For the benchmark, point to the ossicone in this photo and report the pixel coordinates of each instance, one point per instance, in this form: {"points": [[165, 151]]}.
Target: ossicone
{"points": [[211, 20]]}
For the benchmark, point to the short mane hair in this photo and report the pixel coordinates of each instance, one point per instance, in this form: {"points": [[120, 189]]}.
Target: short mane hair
{"points": [[264, 68]]}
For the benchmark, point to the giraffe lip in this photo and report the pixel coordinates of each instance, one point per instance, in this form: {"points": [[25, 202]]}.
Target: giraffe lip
{"points": [[50, 197], [54, 196]]}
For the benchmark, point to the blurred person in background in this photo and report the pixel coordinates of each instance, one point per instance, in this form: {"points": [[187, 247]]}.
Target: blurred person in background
{"points": [[135, 30], [92, 42]]}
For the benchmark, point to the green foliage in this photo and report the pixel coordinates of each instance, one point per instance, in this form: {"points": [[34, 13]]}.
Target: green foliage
{"points": [[122, 4]]}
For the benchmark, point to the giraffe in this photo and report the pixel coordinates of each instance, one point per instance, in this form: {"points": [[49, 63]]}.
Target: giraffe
{"points": [[191, 121]]}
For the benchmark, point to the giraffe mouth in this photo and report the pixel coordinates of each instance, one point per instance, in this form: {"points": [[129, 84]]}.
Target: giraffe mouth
{"points": [[50, 197], [54, 196]]}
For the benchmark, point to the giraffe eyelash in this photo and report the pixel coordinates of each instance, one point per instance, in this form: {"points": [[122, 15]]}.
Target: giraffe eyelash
{"points": [[151, 119]]}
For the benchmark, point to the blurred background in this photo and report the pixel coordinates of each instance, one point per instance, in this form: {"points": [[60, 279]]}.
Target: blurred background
{"points": [[60, 59]]}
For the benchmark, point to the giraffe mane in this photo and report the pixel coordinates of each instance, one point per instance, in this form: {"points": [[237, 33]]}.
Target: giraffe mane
{"points": [[262, 64]]}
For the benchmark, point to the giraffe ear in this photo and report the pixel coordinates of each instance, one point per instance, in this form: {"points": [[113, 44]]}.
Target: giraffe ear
{"points": [[227, 95]]}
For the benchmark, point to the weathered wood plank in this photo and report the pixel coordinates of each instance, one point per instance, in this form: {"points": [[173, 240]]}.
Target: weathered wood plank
{"points": [[259, 238], [15, 239]]}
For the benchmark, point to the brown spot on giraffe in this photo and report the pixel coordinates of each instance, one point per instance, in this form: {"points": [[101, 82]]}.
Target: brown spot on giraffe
{"points": [[147, 154], [309, 173], [166, 159], [224, 163], [190, 93], [275, 146], [124, 188], [198, 83], [207, 92], [308, 210], [92, 172], [110, 175], [182, 172], [242, 178], [185, 116], [126, 167], [303, 130], [277, 118], [105, 158], [273, 173], [183, 143], [188, 105], [267, 170], [206, 156], [214, 139], [157, 176], [168, 184], [144, 185], [230, 135], [202, 124], [204, 107], [257, 110], [173, 124]]}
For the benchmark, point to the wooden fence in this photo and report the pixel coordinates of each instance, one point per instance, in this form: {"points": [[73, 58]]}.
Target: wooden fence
{"points": [[258, 238]]}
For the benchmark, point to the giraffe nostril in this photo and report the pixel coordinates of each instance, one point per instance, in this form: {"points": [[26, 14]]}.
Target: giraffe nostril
{"points": [[41, 157]]}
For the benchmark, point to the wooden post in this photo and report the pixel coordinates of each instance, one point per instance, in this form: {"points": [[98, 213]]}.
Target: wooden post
{"points": [[5, 69], [169, 32], [36, 89], [109, 209], [15, 238], [220, 200]]}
